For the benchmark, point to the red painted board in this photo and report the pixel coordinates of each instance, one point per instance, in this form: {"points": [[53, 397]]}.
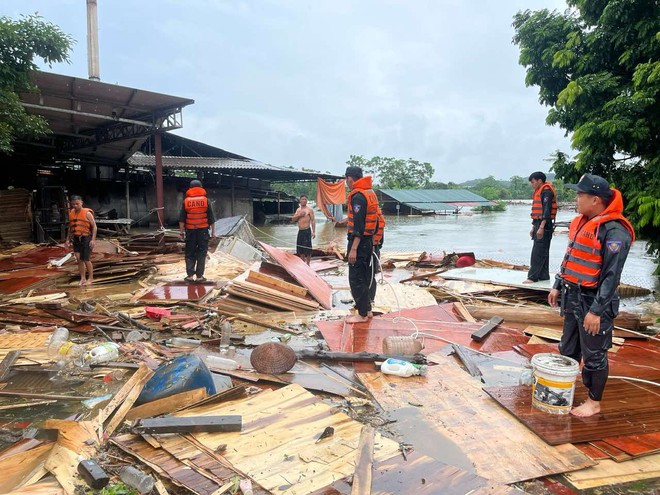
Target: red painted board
{"points": [[318, 288], [434, 320], [638, 360], [627, 408], [178, 292], [592, 451], [18, 284], [636, 445]]}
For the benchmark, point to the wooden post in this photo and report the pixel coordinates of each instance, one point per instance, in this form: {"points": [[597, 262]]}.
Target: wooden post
{"points": [[159, 179]]}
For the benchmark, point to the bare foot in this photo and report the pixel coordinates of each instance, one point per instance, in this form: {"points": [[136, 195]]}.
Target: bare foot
{"points": [[82, 281], [590, 407], [370, 314], [528, 281], [89, 281], [356, 319]]}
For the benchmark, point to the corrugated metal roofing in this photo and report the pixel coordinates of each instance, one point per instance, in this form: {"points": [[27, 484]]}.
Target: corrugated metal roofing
{"points": [[410, 196], [228, 166]]}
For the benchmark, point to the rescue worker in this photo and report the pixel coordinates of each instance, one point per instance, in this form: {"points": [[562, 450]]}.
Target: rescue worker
{"points": [[196, 217], [544, 212], [378, 244], [362, 220], [82, 237], [599, 239]]}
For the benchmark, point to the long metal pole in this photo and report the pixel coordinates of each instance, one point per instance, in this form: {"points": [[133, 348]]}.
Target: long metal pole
{"points": [[159, 179], [93, 41]]}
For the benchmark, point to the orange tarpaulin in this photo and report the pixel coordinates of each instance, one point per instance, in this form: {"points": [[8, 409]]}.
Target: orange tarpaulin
{"points": [[330, 194]]}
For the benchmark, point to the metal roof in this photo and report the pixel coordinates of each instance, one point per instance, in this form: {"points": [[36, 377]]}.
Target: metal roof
{"points": [[228, 166], [93, 119], [455, 197]]}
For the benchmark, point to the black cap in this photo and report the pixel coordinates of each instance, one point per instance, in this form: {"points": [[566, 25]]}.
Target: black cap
{"points": [[355, 172], [594, 185], [195, 183]]}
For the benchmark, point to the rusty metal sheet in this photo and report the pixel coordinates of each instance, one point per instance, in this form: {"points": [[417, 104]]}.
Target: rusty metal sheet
{"points": [[318, 288]]}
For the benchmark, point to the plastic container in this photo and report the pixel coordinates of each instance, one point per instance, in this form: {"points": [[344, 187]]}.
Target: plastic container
{"points": [[181, 342], [553, 382], [399, 367], [59, 337], [137, 479], [103, 353], [401, 345], [221, 363], [246, 487], [225, 336]]}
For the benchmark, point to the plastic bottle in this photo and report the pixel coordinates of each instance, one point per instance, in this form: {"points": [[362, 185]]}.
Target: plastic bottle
{"points": [[398, 367], [181, 342], [246, 487], [137, 479], [102, 353], [225, 336], [59, 337], [221, 363]]}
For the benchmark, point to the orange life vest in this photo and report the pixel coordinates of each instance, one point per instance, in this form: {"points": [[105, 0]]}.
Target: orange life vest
{"points": [[196, 205], [363, 185], [537, 205], [584, 255], [78, 223], [378, 236]]}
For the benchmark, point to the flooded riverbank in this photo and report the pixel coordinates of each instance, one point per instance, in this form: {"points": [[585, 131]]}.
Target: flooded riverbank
{"points": [[503, 236]]}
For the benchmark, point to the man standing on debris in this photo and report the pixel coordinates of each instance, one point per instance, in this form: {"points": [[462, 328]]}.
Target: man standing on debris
{"points": [[196, 216], [82, 236], [362, 221], [304, 215], [544, 211], [599, 239]]}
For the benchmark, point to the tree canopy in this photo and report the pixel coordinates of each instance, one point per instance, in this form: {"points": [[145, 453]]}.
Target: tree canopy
{"points": [[597, 67], [21, 42], [395, 173]]}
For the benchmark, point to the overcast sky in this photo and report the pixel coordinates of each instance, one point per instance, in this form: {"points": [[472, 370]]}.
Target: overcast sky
{"points": [[308, 83]]}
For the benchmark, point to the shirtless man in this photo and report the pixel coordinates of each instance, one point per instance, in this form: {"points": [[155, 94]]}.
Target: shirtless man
{"points": [[304, 215]]}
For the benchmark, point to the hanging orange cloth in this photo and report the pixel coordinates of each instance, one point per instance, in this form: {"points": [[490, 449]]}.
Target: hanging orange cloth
{"points": [[330, 194]]}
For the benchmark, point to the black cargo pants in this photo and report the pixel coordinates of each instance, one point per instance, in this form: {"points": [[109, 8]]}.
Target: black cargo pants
{"points": [[361, 276], [197, 244]]}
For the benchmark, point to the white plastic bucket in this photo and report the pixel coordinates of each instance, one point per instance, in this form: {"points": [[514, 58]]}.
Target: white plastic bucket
{"points": [[553, 383]]}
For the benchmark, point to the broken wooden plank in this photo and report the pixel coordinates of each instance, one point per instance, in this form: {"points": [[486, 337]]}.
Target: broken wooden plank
{"points": [[7, 363], [275, 283], [490, 325], [462, 310], [195, 424], [467, 361], [364, 462], [167, 404]]}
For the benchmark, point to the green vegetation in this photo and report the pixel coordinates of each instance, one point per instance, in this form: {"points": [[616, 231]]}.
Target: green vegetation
{"points": [[597, 67], [22, 42], [395, 173]]}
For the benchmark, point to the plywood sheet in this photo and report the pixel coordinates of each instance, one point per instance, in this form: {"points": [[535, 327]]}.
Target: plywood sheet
{"points": [[501, 276], [454, 406], [437, 321], [626, 408], [277, 446], [178, 292], [636, 445], [393, 297], [608, 472], [303, 274]]}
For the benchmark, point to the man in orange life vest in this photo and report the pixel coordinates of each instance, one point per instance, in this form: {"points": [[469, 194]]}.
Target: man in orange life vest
{"points": [[599, 239], [378, 240], [82, 236], [544, 211], [196, 216], [362, 223]]}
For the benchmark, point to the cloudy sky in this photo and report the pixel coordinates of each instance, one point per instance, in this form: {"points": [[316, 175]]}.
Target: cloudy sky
{"points": [[308, 83]]}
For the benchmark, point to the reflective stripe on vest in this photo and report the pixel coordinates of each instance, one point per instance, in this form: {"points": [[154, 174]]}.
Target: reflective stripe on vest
{"points": [[378, 236], [371, 218], [537, 204], [78, 223], [196, 212]]}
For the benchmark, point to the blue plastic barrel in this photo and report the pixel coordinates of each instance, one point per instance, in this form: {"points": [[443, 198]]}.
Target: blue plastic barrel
{"points": [[179, 375]]}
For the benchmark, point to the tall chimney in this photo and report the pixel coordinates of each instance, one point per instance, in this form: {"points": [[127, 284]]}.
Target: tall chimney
{"points": [[93, 41]]}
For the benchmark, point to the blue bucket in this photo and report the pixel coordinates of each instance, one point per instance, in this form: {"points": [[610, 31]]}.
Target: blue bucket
{"points": [[182, 374]]}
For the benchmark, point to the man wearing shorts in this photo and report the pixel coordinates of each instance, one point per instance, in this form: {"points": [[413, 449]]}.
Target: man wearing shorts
{"points": [[304, 215], [82, 236]]}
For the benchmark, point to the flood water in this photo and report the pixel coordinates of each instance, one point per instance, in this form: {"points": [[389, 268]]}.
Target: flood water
{"points": [[502, 236]]}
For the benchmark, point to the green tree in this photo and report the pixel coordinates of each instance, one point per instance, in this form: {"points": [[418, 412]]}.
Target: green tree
{"points": [[597, 67], [519, 188], [491, 188], [395, 173], [21, 42]]}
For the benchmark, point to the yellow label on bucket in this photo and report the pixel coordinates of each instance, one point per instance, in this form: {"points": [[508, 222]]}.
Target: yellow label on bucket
{"points": [[554, 384]]}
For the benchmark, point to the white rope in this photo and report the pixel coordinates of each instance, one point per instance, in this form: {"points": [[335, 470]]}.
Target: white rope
{"points": [[648, 382]]}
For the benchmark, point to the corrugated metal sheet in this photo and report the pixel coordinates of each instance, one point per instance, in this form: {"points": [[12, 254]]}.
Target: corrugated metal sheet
{"points": [[411, 196]]}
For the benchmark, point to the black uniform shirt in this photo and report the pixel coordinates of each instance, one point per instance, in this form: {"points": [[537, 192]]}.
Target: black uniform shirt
{"points": [[359, 207], [615, 241], [546, 201]]}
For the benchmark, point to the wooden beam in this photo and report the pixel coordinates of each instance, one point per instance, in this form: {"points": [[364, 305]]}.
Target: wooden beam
{"points": [[467, 361], [167, 404], [364, 462], [490, 325]]}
